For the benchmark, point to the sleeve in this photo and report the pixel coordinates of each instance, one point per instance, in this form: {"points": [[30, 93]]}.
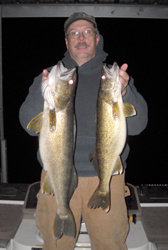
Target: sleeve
{"points": [[32, 105], [136, 124]]}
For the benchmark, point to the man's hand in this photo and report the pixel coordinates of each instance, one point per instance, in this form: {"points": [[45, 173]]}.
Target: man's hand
{"points": [[124, 77], [45, 76]]}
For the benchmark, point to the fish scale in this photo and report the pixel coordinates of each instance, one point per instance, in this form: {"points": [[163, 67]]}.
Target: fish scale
{"points": [[110, 135], [56, 143]]}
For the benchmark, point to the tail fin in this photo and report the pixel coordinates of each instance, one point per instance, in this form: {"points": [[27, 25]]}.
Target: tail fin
{"points": [[64, 225], [100, 199]]}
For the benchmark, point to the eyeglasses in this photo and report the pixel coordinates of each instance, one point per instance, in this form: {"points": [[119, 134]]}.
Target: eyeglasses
{"points": [[86, 33]]}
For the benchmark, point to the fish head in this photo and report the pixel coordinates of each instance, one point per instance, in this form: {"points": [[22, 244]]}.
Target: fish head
{"points": [[62, 82], [110, 88]]}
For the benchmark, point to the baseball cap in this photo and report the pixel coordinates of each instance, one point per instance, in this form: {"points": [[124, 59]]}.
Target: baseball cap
{"points": [[79, 16]]}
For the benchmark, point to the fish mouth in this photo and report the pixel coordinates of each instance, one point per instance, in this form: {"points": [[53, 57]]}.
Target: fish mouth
{"points": [[112, 71], [106, 72], [69, 74], [65, 74]]}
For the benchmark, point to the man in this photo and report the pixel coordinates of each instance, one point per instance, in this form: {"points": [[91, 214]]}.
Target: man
{"points": [[85, 50]]}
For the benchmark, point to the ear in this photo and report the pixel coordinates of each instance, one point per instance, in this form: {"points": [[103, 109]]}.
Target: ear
{"points": [[97, 39], [66, 42]]}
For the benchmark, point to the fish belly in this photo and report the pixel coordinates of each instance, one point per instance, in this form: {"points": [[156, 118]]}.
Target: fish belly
{"points": [[110, 140], [56, 150], [111, 134]]}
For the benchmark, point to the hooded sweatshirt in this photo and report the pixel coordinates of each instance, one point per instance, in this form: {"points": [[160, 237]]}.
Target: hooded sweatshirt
{"points": [[89, 75]]}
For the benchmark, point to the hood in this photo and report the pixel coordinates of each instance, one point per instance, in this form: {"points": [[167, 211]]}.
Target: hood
{"points": [[93, 64]]}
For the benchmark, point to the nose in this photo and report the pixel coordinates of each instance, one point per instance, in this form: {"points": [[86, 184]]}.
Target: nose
{"points": [[81, 36]]}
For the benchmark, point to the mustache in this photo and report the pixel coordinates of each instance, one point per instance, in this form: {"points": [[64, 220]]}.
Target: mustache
{"points": [[81, 44]]}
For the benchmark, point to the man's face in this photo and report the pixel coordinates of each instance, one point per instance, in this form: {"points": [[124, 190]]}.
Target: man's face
{"points": [[81, 49]]}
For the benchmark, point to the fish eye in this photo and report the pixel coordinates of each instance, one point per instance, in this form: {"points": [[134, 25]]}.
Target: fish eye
{"points": [[103, 77], [71, 82]]}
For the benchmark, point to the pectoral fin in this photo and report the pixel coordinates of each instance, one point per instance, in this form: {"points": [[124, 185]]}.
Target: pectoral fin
{"points": [[46, 186], [118, 168], [115, 110], [129, 109], [52, 119], [36, 123]]}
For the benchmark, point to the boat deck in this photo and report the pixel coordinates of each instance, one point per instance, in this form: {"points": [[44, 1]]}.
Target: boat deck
{"points": [[153, 212]]}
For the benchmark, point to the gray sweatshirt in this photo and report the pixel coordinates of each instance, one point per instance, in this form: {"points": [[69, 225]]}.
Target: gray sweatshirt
{"points": [[89, 75]]}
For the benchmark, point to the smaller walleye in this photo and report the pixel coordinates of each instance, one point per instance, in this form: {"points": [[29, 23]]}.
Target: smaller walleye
{"points": [[56, 125], [110, 134]]}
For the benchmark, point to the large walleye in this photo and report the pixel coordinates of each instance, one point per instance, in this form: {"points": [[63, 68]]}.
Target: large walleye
{"points": [[56, 126], [110, 134]]}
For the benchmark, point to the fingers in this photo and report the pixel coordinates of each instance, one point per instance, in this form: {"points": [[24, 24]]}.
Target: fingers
{"points": [[124, 67], [124, 77], [45, 76], [45, 72]]}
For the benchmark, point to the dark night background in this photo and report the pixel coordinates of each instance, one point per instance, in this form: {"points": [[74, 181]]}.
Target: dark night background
{"points": [[30, 45]]}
